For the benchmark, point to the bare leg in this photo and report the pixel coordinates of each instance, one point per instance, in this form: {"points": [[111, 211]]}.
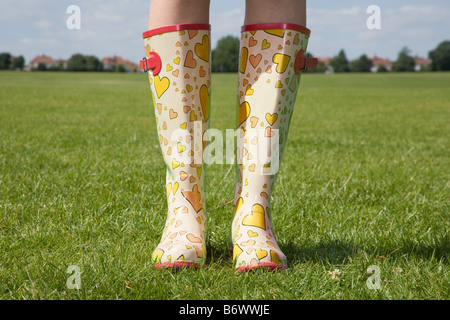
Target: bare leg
{"points": [[170, 12], [266, 11]]}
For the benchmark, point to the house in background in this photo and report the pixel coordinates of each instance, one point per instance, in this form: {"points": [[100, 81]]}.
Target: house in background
{"points": [[421, 64], [382, 64], [378, 63], [119, 64], [42, 63]]}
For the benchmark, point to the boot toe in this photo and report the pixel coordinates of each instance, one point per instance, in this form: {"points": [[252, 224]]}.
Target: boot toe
{"points": [[259, 258], [179, 255]]}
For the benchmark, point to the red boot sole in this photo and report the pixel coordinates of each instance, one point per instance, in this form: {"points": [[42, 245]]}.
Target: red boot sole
{"points": [[263, 265], [176, 265]]}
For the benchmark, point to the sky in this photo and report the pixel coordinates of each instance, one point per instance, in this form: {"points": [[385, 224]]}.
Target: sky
{"points": [[114, 27]]}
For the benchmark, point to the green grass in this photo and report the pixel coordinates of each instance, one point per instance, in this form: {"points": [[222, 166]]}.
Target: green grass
{"points": [[364, 181]]}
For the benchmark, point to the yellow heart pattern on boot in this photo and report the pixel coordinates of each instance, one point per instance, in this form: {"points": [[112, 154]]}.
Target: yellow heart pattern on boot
{"points": [[257, 218], [202, 49], [249, 91], [282, 61], [243, 60], [161, 85], [243, 112], [204, 101], [168, 189], [271, 118], [252, 234], [261, 253], [175, 187], [175, 164], [238, 205], [236, 251], [157, 254], [276, 32]]}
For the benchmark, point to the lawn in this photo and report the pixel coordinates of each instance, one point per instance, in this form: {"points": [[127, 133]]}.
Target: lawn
{"points": [[364, 182]]}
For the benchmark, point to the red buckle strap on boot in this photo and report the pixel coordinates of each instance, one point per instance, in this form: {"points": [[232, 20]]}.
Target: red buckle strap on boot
{"points": [[153, 62], [302, 63]]}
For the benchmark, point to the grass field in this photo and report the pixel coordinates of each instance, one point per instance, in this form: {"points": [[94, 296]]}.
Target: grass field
{"points": [[364, 181]]}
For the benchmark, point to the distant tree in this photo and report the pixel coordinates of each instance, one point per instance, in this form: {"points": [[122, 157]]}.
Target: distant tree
{"points": [[93, 63], [225, 57], [340, 62], [404, 62], [18, 63], [58, 67], [79, 62], [5, 60], [362, 64], [76, 62], [440, 57]]}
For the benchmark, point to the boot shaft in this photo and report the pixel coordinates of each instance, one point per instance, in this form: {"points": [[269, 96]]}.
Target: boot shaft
{"points": [[270, 66], [271, 61], [178, 64]]}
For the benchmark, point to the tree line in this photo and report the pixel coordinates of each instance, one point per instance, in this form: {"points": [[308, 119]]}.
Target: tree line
{"points": [[225, 58], [404, 63], [7, 62], [77, 62]]}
